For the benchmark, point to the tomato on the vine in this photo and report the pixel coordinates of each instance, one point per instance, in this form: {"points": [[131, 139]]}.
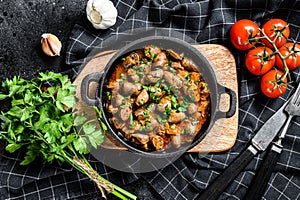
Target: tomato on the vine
{"points": [[273, 84], [242, 32], [291, 52], [260, 60], [276, 29]]}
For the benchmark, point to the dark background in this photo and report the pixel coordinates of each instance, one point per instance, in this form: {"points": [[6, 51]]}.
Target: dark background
{"points": [[22, 22], [21, 25]]}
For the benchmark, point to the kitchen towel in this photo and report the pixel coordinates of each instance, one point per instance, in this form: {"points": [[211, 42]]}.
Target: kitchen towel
{"points": [[202, 22]]}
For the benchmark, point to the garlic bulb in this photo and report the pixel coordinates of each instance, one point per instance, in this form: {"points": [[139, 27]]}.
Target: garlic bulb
{"points": [[101, 13]]}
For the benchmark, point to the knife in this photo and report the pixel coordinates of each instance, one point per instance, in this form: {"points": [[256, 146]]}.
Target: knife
{"points": [[263, 174], [259, 142]]}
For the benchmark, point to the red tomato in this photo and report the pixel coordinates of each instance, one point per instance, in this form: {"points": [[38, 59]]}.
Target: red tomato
{"points": [[272, 85], [260, 60], [241, 32], [293, 60], [278, 30]]}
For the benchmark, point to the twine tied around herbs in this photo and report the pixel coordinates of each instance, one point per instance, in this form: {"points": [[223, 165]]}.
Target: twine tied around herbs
{"points": [[94, 176]]}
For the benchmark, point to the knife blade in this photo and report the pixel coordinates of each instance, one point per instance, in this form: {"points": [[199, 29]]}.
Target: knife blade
{"points": [[269, 130], [259, 142]]}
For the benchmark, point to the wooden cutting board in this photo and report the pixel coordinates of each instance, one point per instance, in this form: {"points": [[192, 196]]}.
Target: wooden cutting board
{"points": [[222, 135]]}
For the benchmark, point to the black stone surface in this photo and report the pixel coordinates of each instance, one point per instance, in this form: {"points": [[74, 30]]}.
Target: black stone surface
{"points": [[21, 25]]}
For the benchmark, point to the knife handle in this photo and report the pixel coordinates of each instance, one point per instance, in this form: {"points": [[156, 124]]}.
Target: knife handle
{"points": [[262, 176], [223, 180]]}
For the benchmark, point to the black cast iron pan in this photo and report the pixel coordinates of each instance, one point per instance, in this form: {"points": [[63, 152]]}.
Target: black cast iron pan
{"points": [[165, 43]]}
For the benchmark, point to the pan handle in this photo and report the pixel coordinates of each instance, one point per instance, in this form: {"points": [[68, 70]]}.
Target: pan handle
{"points": [[232, 102], [85, 87]]}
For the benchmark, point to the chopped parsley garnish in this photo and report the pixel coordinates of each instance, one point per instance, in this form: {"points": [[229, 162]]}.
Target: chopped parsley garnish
{"points": [[174, 101], [146, 114], [147, 51], [141, 102], [109, 95], [173, 70], [121, 80], [166, 88], [155, 98], [149, 106], [131, 120], [153, 56], [188, 77], [181, 109], [168, 52], [195, 122], [168, 111], [140, 73]]}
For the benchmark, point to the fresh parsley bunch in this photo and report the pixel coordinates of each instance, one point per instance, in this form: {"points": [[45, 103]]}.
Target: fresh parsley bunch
{"points": [[40, 120]]}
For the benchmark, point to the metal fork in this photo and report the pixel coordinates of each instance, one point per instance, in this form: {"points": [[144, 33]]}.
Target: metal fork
{"points": [[260, 181]]}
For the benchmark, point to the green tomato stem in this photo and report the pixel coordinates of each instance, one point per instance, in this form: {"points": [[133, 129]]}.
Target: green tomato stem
{"points": [[256, 38], [286, 69]]}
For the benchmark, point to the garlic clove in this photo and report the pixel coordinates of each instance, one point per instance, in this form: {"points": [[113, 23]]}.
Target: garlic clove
{"points": [[101, 13], [51, 45]]}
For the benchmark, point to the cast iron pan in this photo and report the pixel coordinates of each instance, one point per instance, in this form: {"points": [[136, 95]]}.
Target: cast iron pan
{"points": [[165, 43]]}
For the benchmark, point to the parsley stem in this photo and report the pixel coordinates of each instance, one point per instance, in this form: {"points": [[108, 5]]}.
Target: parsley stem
{"points": [[117, 190]]}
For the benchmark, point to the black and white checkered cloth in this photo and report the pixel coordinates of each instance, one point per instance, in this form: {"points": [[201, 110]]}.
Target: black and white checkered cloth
{"points": [[206, 21]]}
